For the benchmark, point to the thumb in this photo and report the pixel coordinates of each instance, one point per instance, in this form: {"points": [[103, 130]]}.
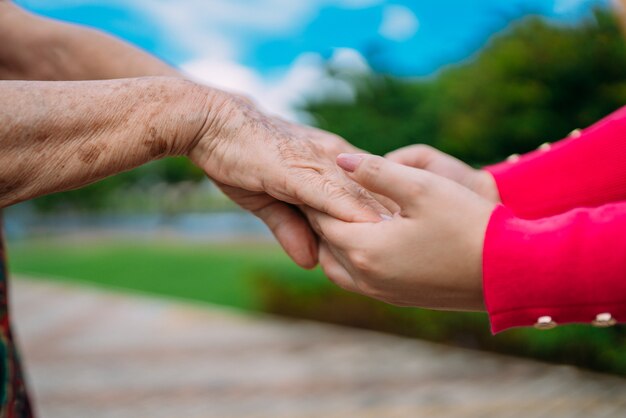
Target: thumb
{"points": [[400, 183]]}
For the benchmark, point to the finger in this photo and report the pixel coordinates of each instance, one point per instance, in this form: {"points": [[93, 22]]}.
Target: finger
{"points": [[292, 232], [390, 205], [417, 156], [340, 234], [331, 191], [334, 270], [400, 183], [334, 145]]}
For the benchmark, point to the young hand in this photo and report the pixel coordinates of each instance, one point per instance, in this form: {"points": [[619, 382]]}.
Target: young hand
{"points": [[429, 254], [431, 159]]}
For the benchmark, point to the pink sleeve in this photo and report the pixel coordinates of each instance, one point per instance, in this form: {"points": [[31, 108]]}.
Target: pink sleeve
{"points": [[565, 268], [585, 170]]}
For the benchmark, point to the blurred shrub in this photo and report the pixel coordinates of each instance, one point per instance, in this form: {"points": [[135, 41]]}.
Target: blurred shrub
{"points": [[102, 194], [303, 295], [532, 84]]}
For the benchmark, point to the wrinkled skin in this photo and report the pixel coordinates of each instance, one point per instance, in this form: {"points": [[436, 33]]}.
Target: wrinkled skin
{"points": [[428, 254], [269, 167]]}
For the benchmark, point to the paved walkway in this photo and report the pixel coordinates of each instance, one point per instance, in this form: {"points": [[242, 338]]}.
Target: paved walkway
{"points": [[97, 354]]}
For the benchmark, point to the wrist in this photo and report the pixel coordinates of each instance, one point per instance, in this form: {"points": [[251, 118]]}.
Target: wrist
{"points": [[485, 185], [190, 112], [476, 253], [225, 116]]}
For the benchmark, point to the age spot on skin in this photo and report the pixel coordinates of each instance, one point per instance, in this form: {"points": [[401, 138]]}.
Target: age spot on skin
{"points": [[89, 154], [156, 144], [42, 137], [5, 187], [9, 186]]}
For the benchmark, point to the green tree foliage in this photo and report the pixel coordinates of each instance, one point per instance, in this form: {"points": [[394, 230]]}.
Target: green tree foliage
{"points": [[534, 83]]}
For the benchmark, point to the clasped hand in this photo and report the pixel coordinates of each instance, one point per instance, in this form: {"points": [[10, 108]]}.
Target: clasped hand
{"points": [[407, 230], [428, 254]]}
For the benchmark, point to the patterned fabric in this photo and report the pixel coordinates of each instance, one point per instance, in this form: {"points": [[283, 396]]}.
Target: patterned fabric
{"points": [[14, 401]]}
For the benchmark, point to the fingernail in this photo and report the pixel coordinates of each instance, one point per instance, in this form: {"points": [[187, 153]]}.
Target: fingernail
{"points": [[386, 217], [349, 162]]}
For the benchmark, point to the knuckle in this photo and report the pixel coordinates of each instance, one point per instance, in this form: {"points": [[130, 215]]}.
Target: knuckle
{"points": [[422, 153], [359, 260], [423, 149], [364, 262], [310, 183], [372, 167], [328, 146], [333, 191], [417, 187], [418, 155]]}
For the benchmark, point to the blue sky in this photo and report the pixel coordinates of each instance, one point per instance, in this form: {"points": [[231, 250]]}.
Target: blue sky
{"points": [[257, 45]]}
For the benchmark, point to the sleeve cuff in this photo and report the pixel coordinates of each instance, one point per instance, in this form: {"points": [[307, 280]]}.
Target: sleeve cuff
{"points": [[566, 268]]}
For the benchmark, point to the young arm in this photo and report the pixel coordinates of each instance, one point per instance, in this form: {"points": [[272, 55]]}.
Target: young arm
{"points": [[585, 170], [448, 248], [556, 270]]}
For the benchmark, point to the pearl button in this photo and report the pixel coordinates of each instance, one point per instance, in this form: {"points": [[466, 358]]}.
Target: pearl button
{"points": [[575, 133], [545, 146], [513, 158], [545, 322], [604, 320]]}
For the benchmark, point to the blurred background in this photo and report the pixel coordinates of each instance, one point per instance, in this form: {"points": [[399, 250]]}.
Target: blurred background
{"points": [[480, 80]]}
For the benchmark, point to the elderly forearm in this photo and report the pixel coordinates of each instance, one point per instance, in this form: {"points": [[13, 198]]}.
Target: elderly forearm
{"points": [[36, 48], [57, 136]]}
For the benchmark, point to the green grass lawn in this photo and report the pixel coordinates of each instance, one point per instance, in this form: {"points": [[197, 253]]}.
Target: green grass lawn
{"points": [[262, 278], [218, 274]]}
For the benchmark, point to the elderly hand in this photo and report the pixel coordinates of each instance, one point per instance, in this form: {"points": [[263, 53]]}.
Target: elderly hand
{"points": [[267, 165], [85, 131], [430, 159], [429, 254]]}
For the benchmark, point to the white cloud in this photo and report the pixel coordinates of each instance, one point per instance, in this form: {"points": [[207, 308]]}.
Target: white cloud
{"points": [[306, 79], [218, 65], [214, 27], [399, 23], [196, 23], [349, 60], [211, 31]]}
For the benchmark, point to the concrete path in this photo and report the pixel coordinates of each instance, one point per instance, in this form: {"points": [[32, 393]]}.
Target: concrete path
{"points": [[97, 354]]}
